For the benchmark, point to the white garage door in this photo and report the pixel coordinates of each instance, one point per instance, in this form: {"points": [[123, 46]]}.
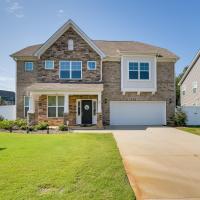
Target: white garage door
{"points": [[137, 113]]}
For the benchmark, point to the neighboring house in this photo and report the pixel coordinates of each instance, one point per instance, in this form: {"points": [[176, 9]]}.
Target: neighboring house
{"points": [[7, 97], [190, 84], [73, 78]]}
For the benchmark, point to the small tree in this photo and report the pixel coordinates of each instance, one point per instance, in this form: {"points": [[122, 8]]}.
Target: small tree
{"points": [[1, 118], [180, 118]]}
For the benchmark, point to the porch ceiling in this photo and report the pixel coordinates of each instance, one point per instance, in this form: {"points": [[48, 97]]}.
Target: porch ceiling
{"points": [[65, 87]]}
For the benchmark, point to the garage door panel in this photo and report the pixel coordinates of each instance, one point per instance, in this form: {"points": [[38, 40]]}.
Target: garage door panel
{"points": [[137, 113]]}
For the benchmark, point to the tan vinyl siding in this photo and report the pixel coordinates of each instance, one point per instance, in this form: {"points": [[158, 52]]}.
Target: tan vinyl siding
{"points": [[190, 98]]}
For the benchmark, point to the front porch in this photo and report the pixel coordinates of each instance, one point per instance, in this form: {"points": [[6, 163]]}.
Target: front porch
{"points": [[70, 104]]}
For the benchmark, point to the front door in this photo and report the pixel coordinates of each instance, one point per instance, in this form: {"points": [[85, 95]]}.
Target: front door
{"points": [[86, 111]]}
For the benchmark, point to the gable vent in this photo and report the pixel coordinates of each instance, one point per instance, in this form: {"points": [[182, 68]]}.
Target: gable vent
{"points": [[70, 45]]}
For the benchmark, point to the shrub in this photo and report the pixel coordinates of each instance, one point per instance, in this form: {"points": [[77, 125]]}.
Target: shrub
{"points": [[180, 118], [1, 118], [23, 127], [63, 127], [41, 126], [7, 124], [21, 123], [31, 128]]}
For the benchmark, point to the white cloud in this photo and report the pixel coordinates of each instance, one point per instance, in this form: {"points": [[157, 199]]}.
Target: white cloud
{"points": [[19, 15], [60, 12], [14, 7]]}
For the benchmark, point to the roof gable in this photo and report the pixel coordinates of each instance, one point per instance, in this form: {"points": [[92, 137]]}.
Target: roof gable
{"points": [[60, 32], [195, 59]]}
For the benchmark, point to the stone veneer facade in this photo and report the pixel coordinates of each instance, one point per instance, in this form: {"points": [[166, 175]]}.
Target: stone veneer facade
{"points": [[58, 51], [112, 88]]}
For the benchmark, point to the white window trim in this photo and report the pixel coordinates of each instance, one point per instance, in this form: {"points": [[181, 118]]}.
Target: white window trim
{"points": [[46, 66], [91, 62], [57, 106], [137, 61], [70, 78], [26, 106], [26, 62]]}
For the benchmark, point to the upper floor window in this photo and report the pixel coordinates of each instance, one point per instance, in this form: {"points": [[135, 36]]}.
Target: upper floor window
{"points": [[70, 69], [91, 65], [26, 105], [194, 87], [28, 66], [133, 70], [70, 45], [49, 64], [138, 71]]}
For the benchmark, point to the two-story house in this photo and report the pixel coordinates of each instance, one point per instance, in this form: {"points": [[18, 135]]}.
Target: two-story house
{"points": [[190, 83], [73, 78]]}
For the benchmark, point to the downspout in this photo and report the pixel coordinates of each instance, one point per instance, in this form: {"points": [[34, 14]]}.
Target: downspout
{"points": [[101, 77]]}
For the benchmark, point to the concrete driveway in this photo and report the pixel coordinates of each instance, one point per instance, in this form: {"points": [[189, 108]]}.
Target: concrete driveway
{"points": [[161, 162]]}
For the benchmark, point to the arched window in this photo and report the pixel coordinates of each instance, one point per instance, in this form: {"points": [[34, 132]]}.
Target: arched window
{"points": [[70, 45]]}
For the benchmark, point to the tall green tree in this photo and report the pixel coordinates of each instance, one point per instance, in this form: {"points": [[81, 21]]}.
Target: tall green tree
{"points": [[178, 78]]}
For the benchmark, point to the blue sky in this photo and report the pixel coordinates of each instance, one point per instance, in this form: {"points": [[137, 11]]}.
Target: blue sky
{"points": [[172, 24]]}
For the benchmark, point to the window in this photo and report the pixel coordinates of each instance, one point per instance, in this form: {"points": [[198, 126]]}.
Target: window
{"points": [[28, 66], [183, 90], [94, 107], [91, 65], [194, 87], [26, 105], [76, 69], [70, 45], [194, 90], [133, 70], [55, 106], [65, 69], [138, 71], [79, 108], [70, 69], [49, 64], [144, 71]]}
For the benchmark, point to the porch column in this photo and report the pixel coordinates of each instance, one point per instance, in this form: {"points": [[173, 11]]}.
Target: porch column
{"points": [[31, 111], [66, 109], [31, 104], [99, 102], [99, 112], [66, 103]]}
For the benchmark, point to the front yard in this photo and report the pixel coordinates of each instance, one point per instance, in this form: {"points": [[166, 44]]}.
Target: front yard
{"points": [[64, 166], [191, 129]]}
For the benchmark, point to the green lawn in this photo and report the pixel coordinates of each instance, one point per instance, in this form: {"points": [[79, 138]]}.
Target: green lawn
{"points": [[192, 129], [64, 166]]}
